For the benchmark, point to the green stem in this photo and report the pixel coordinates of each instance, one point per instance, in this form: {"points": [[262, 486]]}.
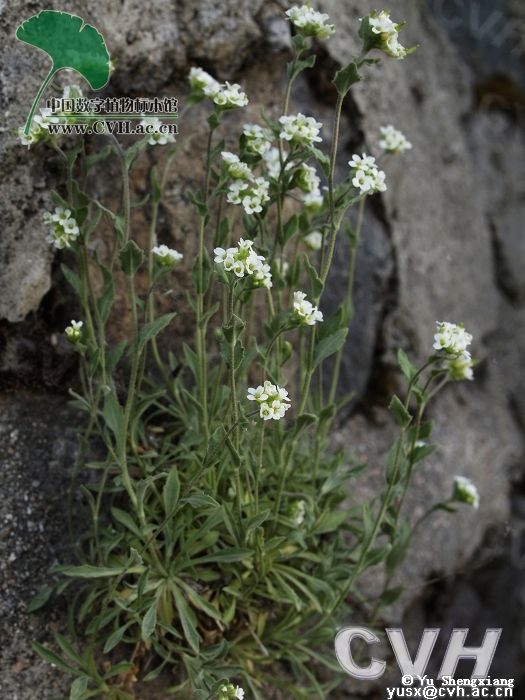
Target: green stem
{"points": [[47, 80], [347, 303]]}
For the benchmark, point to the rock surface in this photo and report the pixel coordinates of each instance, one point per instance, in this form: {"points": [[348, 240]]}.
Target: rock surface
{"points": [[444, 242]]}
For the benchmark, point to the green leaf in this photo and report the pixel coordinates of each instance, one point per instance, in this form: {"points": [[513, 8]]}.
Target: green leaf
{"points": [[346, 77], [78, 688], [89, 571], [152, 329], [199, 602], [50, 656], [126, 519], [69, 43], [115, 638], [400, 413], [223, 556], [206, 271], [315, 280], [290, 228], [330, 345], [131, 258], [390, 596], [171, 492], [40, 599], [187, 619], [375, 556], [72, 278], [406, 366], [149, 622], [113, 414]]}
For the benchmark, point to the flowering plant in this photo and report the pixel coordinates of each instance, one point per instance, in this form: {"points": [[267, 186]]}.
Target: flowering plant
{"points": [[220, 548]]}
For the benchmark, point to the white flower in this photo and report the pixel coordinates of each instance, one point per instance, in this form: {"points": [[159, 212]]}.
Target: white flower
{"points": [[451, 338], [39, 129], [229, 96], [229, 692], [157, 131], [310, 22], [243, 261], [367, 177], [64, 228], [312, 200], [257, 394], [393, 141], [262, 277], [258, 140], [461, 367], [74, 331], [272, 162], [273, 400], [300, 129], [166, 257], [314, 240], [307, 178], [297, 512], [252, 195], [387, 33], [306, 312], [235, 191], [235, 167], [465, 491], [202, 83]]}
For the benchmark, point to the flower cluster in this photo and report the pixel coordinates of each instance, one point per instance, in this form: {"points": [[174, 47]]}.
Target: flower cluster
{"points": [[464, 491], [252, 194], [235, 167], [243, 260], [166, 257], [366, 176], [393, 141], [273, 400], [258, 139], [230, 692], [74, 331], [299, 129], [64, 228], [39, 129], [272, 162], [158, 133], [314, 240], [386, 34], [309, 22], [451, 337], [310, 185], [296, 512], [224, 95], [454, 340], [305, 311]]}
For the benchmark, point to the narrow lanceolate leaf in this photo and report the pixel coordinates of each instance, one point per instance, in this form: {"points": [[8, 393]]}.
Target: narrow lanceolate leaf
{"points": [[89, 571], [78, 688], [400, 413], [149, 622], [152, 329], [187, 619], [171, 491], [330, 345], [50, 656]]}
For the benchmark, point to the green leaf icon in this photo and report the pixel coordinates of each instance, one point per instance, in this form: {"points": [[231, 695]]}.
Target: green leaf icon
{"points": [[70, 43]]}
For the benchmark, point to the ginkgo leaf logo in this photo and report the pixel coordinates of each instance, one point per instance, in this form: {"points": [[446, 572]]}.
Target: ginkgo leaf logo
{"points": [[70, 43]]}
